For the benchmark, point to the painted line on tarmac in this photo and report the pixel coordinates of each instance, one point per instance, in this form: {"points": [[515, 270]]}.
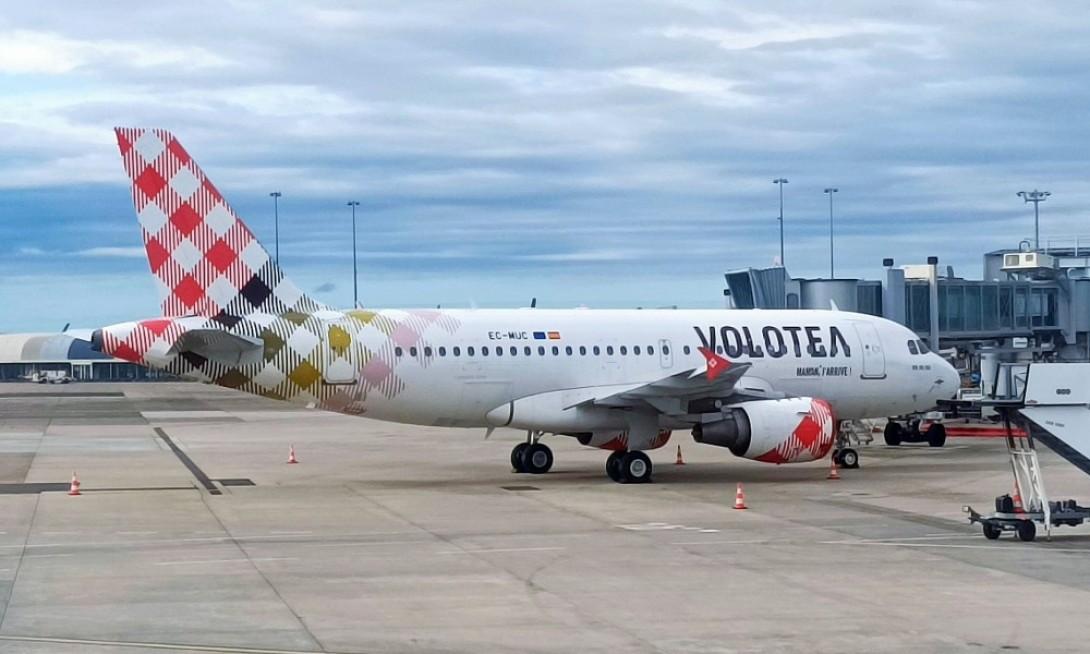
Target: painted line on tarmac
{"points": [[243, 560], [959, 547], [503, 550], [731, 542], [161, 646], [377, 543]]}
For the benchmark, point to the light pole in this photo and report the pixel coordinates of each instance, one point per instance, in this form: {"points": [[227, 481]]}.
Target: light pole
{"points": [[1036, 197], [275, 195], [355, 276], [780, 182], [832, 269]]}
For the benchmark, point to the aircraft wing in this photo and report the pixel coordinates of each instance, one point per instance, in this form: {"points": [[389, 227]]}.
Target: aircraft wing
{"points": [[671, 395]]}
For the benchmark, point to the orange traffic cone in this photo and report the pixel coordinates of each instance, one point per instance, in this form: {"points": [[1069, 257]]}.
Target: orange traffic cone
{"points": [[74, 490], [291, 454], [679, 461], [740, 498], [834, 471]]}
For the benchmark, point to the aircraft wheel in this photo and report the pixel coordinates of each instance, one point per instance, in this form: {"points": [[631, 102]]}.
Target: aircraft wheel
{"points": [[991, 532], [516, 457], [537, 459], [613, 466], [893, 433], [1027, 531], [849, 458], [635, 468], [936, 435]]}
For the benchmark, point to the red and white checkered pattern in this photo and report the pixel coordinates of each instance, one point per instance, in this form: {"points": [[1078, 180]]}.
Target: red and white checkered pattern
{"points": [[206, 261]]}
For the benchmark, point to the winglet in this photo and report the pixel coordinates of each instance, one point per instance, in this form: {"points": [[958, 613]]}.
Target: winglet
{"points": [[716, 364]]}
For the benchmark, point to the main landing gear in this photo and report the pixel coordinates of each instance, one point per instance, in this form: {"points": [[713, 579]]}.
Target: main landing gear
{"points": [[532, 456], [632, 467]]}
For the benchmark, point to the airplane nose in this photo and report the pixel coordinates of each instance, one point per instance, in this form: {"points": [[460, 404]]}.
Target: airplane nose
{"points": [[948, 383]]}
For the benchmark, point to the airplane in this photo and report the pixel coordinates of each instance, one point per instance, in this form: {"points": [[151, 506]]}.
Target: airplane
{"points": [[770, 386]]}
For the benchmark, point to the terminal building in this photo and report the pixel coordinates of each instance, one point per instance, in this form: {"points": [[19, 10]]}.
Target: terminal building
{"points": [[60, 358], [1030, 306]]}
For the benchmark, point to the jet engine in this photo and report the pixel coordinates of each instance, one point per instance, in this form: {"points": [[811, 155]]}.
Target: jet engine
{"points": [[793, 430]]}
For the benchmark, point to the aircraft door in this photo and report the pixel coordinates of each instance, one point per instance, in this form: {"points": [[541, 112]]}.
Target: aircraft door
{"points": [[874, 359], [666, 354], [338, 344]]}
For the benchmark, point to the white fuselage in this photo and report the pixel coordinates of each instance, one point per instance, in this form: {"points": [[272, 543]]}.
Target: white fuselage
{"points": [[862, 365]]}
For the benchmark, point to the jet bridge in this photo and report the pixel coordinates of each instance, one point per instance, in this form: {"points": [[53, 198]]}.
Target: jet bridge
{"points": [[1054, 408]]}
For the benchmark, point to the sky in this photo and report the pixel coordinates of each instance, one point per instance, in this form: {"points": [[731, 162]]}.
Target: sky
{"points": [[601, 154]]}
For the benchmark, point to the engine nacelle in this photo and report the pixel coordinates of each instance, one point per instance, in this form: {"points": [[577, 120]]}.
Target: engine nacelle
{"points": [[618, 442], [793, 430]]}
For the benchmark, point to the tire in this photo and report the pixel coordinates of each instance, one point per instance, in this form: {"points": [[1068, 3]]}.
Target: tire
{"points": [[635, 468], [516, 457], [849, 458], [613, 466], [991, 532], [1027, 531], [936, 435], [892, 433], [537, 459]]}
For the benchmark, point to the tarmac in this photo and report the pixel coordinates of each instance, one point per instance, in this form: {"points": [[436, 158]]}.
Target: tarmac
{"points": [[193, 534]]}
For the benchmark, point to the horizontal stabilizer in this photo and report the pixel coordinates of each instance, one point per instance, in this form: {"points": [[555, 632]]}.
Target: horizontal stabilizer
{"points": [[220, 346]]}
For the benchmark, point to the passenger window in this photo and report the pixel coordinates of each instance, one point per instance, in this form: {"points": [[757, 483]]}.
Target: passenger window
{"points": [[650, 350], [514, 351], [526, 350], [686, 350], [567, 350], [412, 351], [624, 350], [636, 350], [582, 350], [469, 351], [597, 350], [442, 351], [457, 351], [556, 350], [609, 350], [397, 351], [912, 347], [427, 350], [499, 352], [541, 350]]}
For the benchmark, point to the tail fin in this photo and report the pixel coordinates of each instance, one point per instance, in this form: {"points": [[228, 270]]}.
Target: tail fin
{"points": [[206, 260]]}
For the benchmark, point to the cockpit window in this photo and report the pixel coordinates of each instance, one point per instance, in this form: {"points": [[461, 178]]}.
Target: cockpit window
{"points": [[912, 347], [923, 347]]}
